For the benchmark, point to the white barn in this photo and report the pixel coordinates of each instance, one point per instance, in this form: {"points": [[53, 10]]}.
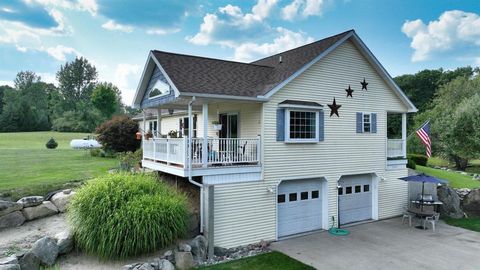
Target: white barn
{"points": [[282, 162]]}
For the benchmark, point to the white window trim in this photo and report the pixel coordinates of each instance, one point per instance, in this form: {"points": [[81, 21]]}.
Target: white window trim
{"points": [[363, 122], [287, 126]]}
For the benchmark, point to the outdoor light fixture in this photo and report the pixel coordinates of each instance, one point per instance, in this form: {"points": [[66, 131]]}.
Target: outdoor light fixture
{"points": [[170, 111], [271, 189]]}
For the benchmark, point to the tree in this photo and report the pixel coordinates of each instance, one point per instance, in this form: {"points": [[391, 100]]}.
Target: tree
{"points": [[118, 134], [454, 119], [84, 119], [106, 98], [3, 89], [76, 81], [25, 79]]}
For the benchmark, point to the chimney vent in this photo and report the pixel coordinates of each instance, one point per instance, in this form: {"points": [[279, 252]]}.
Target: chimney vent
{"points": [[280, 59]]}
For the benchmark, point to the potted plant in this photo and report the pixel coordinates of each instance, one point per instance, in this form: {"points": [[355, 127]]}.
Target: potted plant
{"points": [[216, 125], [173, 134], [148, 135]]}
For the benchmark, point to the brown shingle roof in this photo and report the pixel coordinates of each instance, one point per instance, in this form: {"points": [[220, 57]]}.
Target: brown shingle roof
{"points": [[203, 75]]}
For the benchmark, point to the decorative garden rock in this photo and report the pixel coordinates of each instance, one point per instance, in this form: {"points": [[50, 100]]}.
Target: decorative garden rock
{"points": [[64, 242], [12, 219], [145, 266], [43, 210], [183, 260], [471, 203], [46, 250], [220, 251], [9, 260], [165, 265], [168, 255], [9, 267], [7, 207], [31, 201], [29, 262], [61, 200], [451, 202], [199, 248], [184, 247]]}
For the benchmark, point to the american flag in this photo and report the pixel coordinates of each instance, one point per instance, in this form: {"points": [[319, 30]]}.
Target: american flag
{"points": [[424, 134]]}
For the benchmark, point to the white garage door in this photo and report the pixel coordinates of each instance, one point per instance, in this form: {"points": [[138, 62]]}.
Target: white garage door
{"points": [[299, 206], [355, 198]]}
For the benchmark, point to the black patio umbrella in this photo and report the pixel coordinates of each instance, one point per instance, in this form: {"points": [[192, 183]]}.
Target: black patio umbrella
{"points": [[423, 178]]}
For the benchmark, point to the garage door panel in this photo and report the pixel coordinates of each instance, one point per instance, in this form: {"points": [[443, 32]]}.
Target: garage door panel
{"points": [[355, 199], [300, 215]]}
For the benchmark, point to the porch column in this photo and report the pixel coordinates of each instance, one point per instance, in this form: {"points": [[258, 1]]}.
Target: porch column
{"points": [[205, 135], [159, 122], [404, 134]]}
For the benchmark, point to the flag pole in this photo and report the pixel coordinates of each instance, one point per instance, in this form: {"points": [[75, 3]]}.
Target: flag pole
{"points": [[413, 132]]}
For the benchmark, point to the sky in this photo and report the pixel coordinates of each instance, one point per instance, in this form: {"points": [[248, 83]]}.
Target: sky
{"points": [[117, 35]]}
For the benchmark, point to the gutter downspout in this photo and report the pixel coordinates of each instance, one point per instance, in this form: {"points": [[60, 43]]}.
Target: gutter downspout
{"points": [[189, 158]]}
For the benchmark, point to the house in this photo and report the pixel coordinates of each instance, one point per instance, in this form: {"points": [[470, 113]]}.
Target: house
{"points": [[289, 144]]}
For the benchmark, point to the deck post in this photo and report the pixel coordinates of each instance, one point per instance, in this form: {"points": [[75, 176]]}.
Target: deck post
{"points": [[159, 122], [143, 131], [168, 150], [404, 135], [205, 135], [210, 233], [259, 150], [189, 139]]}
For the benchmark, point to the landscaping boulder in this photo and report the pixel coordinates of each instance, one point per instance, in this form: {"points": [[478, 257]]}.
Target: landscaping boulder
{"points": [[29, 262], [9, 260], [43, 210], [168, 255], [12, 219], [46, 250], [184, 247], [199, 248], [220, 251], [145, 266], [31, 201], [164, 265], [64, 242], [9, 267], [471, 203], [451, 202], [7, 207], [183, 260], [61, 199]]}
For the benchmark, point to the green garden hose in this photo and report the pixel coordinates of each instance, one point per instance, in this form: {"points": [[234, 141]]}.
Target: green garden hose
{"points": [[337, 231]]}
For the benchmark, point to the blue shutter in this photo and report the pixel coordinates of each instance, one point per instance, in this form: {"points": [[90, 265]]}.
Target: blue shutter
{"points": [[280, 125], [374, 122], [321, 126], [359, 122]]}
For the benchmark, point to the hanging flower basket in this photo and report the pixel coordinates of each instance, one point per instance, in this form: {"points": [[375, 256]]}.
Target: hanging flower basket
{"points": [[217, 127]]}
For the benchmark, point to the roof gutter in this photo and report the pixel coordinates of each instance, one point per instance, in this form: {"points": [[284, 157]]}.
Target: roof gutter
{"points": [[227, 97]]}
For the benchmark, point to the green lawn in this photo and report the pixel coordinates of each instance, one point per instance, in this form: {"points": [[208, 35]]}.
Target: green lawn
{"points": [[456, 180], [268, 261], [27, 166], [472, 224]]}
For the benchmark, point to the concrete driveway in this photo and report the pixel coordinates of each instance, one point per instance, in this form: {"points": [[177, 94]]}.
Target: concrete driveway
{"points": [[387, 244]]}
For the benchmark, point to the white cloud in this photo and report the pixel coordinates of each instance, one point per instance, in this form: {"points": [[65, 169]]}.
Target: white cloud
{"points": [[453, 30], [60, 52], [9, 83], [160, 31], [90, 6], [230, 25], [113, 26], [126, 77], [48, 78], [303, 9], [286, 40]]}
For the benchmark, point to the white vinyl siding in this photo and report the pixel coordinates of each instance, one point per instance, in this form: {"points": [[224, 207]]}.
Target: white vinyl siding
{"points": [[246, 213]]}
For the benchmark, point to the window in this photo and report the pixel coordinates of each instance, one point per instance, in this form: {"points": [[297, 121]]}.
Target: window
{"points": [[304, 195], [315, 194], [367, 122], [281, 198], [160, 88], [152, 126], [184, 125], [292, 197], [348, 190], [340, 191], [366, 188], [358, 189], [301, 126]]}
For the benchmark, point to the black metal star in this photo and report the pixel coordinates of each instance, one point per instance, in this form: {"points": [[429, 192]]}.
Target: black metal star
{"points": [[349, 92], [334, 108], [364, 84]]}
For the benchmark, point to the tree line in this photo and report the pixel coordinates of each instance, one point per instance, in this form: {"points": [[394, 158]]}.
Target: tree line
{"points": [[78, 104]]}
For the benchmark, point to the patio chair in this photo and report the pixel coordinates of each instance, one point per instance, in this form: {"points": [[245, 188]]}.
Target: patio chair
{"points": [[432, 220], [408, 215]]}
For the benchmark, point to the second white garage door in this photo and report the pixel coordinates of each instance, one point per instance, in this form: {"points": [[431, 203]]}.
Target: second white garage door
{"points": [[299, 206], [355, 198]]}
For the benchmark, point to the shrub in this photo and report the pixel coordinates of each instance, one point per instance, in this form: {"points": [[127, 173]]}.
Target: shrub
{"points": [[411, 164], [130, 159], [122, 215], [418, 159], [51, 144], [118, 134]]}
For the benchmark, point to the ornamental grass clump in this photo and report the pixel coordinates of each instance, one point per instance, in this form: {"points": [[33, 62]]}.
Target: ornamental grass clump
{"points": [[122, 215]]}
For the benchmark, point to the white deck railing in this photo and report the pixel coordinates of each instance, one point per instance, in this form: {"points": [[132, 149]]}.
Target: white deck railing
{"points": [[221, 151], [395, 148]]}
